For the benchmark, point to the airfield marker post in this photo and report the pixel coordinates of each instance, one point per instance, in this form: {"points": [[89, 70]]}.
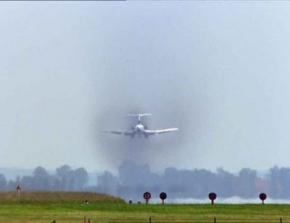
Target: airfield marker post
{"points": [[163, 196], [18, 189], [263, 197], [212, 196], [147, 197]]}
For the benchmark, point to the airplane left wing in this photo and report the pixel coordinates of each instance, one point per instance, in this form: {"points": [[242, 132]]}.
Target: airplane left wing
{"points": [[114, 132], [119, 132], [160, 131]]}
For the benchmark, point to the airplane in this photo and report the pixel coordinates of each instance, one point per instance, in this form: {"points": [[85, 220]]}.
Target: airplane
{"points": [[140, 129]]}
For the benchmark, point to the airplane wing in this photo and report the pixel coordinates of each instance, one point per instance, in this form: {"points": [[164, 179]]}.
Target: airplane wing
{"points": [[160, 131], [117, 132], [113, 132]]}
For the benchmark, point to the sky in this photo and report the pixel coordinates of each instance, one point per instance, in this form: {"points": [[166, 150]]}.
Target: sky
{"points": [[219, 71]]}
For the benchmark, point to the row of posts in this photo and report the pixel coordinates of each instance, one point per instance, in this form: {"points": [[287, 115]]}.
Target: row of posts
{"points": [[212, 196], [215, 220], [150, 220]]}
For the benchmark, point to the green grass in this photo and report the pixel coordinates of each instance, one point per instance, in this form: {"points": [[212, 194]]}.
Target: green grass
{"points": [[106, 209], [55, 197]]}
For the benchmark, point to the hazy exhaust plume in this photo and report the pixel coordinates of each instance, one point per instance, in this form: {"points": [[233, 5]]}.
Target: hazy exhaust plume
{"points": [[169, 107]]}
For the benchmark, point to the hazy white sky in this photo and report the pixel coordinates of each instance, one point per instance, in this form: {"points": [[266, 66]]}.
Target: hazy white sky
{"points": [[217, 70]]}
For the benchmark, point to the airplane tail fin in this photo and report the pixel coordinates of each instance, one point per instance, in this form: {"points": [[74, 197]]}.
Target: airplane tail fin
{"points": [[139, 116]]}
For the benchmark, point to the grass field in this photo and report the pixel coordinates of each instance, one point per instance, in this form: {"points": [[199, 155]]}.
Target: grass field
{"points": [[68, 207]]}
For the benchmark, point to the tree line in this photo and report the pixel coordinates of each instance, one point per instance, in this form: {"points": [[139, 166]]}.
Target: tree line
{"points": [[132, 180], [64, 179]]}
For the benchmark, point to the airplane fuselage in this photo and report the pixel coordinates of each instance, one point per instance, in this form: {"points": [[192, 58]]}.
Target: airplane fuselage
{"points": [[139, 129]]}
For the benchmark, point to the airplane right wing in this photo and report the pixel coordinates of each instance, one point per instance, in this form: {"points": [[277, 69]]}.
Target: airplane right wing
{"points": [[160, 131]]}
